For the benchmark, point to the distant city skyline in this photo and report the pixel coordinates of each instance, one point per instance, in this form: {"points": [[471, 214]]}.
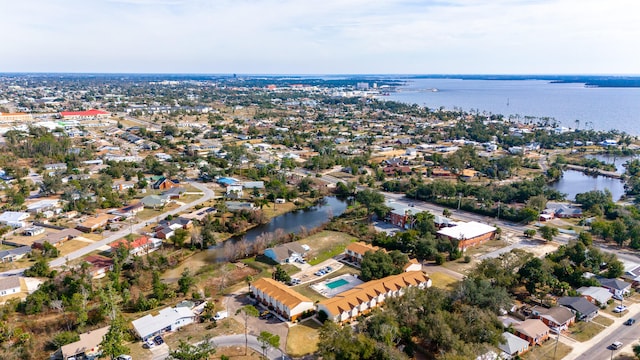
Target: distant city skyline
{"points": [[322, 37]]}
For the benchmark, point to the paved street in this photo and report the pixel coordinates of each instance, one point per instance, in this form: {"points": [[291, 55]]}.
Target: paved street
{"points": [[598, 347], [208, 194]]}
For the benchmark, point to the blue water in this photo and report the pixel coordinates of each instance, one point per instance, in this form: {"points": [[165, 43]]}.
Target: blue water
{"points": [[596, 108], [575, 182]]}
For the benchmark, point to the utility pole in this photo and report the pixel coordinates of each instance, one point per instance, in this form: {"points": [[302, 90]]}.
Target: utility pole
{"points": [[459, 200]]}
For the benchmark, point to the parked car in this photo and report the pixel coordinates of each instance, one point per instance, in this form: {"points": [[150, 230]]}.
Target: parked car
{"points": [[220, 315], [148, 344], [616, 345], [124, 357], [630, 322], [619, 309], [158, 340]]}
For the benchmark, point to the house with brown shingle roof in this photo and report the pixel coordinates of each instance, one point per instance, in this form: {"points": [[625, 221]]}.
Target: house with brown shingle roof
{"points": [[363, 298], [532, 330], [556, 317], [356, 250], [285, 301]]}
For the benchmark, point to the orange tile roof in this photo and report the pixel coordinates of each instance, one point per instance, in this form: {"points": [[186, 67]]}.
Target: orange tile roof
{"points": [[349, 299], [280, 292], [361, 247], [13, 114], [139, 242]]}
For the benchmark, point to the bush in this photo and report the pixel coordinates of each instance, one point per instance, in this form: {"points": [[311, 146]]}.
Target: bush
{"points": [[467, 259], [440, 259]]}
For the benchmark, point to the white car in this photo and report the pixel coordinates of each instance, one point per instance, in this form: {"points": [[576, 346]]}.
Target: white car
{"points": [[220, 315], [619, 309]]}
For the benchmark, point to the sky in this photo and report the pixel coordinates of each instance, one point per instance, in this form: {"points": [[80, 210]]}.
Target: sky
{"points": [[321, 36]]}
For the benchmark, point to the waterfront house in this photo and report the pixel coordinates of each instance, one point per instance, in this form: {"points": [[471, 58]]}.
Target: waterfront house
{"points": [[285, 253]]}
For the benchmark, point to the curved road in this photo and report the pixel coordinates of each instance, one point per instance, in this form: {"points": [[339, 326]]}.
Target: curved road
{"points": [[208, 194]]}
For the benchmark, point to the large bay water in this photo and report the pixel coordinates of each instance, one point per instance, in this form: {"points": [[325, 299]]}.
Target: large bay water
{"points": [[597, 108]]}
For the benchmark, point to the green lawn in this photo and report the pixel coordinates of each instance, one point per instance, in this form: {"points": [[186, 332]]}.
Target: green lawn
{"points": [[604, 321], [583, 331], [328, 254], [547, 351], [303, 338], [442, 280]]}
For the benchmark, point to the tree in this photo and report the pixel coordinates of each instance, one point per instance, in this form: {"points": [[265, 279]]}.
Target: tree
{"points": [[530, 233], [247, 310], [281, 275], [39, 269], [379, 264], [186, 281], [636, 350], [179, 237], [268, 340], [534, 275], [548, 232], [112, 342], [185, 351]]}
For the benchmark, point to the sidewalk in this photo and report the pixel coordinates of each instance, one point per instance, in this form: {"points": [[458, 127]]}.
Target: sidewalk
{"points": [[580, 347]]}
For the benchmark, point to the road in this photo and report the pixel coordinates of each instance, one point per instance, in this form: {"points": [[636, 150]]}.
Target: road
{"points": [[600, 350], [208, 195], [161, 353]]}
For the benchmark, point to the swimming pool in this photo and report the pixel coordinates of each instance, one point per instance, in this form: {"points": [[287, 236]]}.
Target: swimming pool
{"points": [[337, 283]]}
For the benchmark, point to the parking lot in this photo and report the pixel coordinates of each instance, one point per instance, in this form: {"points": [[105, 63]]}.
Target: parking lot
{"points": [[313, 273]]}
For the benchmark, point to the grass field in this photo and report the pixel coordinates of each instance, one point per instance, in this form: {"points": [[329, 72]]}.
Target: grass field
{"points": [[547, 351], [604, 321], [303, 338], [71, 246], [583, 331], [442, 280]]}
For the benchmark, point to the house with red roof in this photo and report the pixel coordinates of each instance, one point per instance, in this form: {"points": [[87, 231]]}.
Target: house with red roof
{"points": [[139, 246], [84, 115], [99, 265]]}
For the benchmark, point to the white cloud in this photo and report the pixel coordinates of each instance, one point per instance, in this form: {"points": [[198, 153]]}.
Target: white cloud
{"points": [[312, 36]]}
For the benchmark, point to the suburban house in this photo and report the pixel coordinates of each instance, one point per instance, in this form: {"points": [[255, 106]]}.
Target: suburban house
{"points": [[595, 294], [56, 239], [250, 185], [174, 193], [33, 231], [513, 346], [239, 205], [14, 219], [165, 184], [581, 307], [234, 191], [617, 287], [284, 300], [562, 210], [176, 223], [355, 251], [14, 254], [43, 205], [99, 265], [94, 223], [468, 234], [129, 210], [632, 274], [363, 298], [285, 253], [168, 319], [138, 246], [88, 347], [9, 285], [557, 317], [532, 330], [154, 201]]}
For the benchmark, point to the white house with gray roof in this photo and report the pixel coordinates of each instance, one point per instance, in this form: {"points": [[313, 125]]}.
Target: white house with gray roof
{"points": [[168, 319]]}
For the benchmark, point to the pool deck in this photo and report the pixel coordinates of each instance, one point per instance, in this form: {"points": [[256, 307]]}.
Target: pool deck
{"points": [[328, 292]]}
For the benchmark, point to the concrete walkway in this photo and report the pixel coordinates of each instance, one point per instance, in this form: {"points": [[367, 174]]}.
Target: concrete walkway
{"points": [[579, 348]]}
